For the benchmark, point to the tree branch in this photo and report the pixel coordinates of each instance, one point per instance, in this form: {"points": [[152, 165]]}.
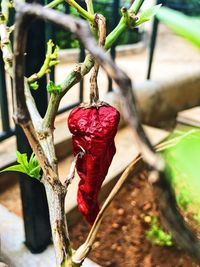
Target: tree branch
{"points": [[72, 78], [50, 60]]}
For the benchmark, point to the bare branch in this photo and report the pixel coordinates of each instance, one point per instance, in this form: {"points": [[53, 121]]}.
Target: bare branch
{"points": [[74, 77], [21, 112], [71, 174]]}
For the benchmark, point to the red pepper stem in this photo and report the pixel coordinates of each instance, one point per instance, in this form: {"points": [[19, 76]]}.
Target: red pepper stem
{"points": [[94, 91]]}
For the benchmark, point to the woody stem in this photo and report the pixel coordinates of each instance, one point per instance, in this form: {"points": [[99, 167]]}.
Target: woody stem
{"points": [[94, 91]]}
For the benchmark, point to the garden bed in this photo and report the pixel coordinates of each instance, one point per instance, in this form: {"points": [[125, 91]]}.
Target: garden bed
{"points": [[122, 239]]}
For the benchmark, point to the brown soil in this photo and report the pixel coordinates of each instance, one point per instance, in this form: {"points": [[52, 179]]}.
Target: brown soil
{"points": [[121, 241]]}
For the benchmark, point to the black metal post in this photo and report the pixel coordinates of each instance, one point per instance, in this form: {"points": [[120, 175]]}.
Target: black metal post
{"points": [[4, 99], [153, 41], [34, 202], [152, 46]]}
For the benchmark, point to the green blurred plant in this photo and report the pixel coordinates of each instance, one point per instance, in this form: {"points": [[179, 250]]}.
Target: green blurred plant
{"points": [[157, 235], [182, 161], [183, 198], [186, 26], [196, 217]]}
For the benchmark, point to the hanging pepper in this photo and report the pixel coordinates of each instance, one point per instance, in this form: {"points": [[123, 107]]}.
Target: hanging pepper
{"points": [[93, 130]]}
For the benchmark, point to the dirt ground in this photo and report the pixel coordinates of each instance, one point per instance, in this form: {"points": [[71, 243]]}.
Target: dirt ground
{"points": [[122, 241]]}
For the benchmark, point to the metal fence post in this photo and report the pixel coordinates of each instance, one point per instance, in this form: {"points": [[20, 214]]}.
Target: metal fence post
{"points": [[34, 202], [4, 99]]}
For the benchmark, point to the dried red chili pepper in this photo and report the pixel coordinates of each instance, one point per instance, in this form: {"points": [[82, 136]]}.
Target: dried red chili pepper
{"points": [[93, 130]]}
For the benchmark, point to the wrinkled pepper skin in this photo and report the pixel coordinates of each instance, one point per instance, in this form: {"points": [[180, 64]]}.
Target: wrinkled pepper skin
{"points": [[94, 130]]}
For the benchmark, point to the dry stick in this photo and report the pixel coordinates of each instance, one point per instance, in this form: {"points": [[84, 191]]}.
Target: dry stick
{"points": [[166, 201]]}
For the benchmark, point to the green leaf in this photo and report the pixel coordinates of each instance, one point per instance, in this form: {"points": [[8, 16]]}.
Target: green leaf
{"points": [[35, 173], [15, 168], [22, 159], [183, 166], [52, 87], [31, 168], [147, 14], [34, 85], [187, 27]]}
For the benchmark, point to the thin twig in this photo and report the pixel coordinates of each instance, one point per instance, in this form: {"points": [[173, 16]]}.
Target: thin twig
{"points": [[50, 60], [71, 174]]}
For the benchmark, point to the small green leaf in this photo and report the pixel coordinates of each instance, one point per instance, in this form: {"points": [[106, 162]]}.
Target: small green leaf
{"points": [[31, 168], [187, 27], [22, 159], [35, 173], [15, 168], [52, 87], [147, 14], [34, 85]]}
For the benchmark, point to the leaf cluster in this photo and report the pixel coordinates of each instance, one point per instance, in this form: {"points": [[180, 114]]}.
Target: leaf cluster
{"points": [[31, 167]]}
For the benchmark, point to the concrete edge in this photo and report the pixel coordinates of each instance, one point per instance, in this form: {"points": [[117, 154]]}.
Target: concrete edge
{"points": [[13, 250]]}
